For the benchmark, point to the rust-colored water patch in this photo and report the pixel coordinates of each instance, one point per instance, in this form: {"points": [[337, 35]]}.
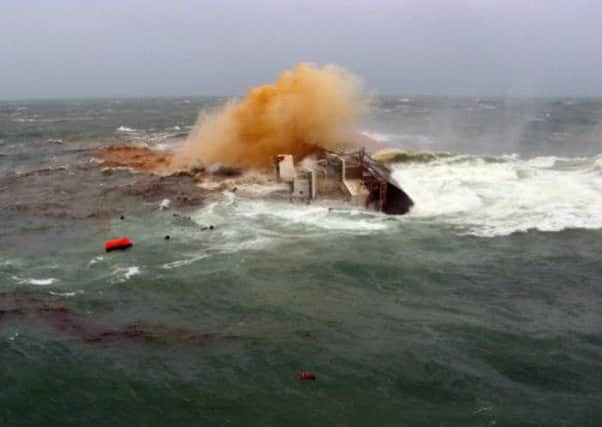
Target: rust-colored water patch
{"points": [[136, 157]]}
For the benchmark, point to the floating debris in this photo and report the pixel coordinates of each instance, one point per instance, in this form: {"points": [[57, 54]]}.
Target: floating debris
{"points": [[118, 244]]}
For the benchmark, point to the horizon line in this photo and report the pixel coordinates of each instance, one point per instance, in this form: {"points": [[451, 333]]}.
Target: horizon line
{"points": [[134, 97]]}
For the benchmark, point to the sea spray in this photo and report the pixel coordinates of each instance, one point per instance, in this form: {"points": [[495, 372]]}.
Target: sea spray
{"points": [[307, 110], [496, 196]]}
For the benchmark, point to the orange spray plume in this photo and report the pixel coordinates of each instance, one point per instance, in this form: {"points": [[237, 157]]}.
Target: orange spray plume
{"points": [[307, 111]]}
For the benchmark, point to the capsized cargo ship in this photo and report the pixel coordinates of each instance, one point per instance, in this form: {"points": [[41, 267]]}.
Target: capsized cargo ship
{"points": [[336, 179], [354, 177]]}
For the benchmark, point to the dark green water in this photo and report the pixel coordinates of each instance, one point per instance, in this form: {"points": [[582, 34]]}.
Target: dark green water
{"points": [[483, 307]]}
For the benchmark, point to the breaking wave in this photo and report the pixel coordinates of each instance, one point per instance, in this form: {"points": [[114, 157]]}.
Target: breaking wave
{"points": [[378, 136], [399, 139], [125, 129], [35, 282], [123, 274], [493, 196], [313, 216], [243, 224], [484, 196]]}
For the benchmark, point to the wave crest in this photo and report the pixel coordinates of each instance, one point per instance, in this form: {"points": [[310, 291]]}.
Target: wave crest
{"points": [[499, 196]]}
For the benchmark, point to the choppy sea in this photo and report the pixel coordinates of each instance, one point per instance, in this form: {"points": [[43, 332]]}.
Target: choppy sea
{"points": [[481, 307]]}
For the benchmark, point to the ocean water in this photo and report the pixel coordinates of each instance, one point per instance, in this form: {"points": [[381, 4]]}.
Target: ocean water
{"points": [[482, 307]]}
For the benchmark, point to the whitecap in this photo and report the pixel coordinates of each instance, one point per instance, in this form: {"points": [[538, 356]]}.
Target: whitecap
{"points": [[66, 294], [96, 260], [314, 216], [131, 271], [377, 136], [123, 274], [125, 129], [182, 262], [492, 198], [24, 120], [402, 139], [237, 243], [163, 147], [36, 282], [597, 164]]}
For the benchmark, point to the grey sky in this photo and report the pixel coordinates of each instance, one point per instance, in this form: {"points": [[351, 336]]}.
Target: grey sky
{"points": [[79, 48]]}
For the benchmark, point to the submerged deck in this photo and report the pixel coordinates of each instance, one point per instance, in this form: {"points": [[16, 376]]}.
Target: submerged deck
{"points": [[354, 177]]}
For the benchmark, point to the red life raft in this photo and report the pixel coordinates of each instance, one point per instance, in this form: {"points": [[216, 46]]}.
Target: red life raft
{"points": [[121, 243], [306, 376]]}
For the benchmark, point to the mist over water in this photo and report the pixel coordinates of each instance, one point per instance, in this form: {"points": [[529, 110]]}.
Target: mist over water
{"points": [[481, 307], [490, 126]]}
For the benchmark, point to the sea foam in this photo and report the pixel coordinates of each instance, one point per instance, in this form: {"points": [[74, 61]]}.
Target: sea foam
{"points": [[123, 274], [503, 195]]}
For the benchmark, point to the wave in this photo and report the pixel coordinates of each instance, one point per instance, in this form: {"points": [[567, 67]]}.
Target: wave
{"points": [[400, 156], [183, 262], [377, 136], [123, 274], [65, 294], [493, 196], [484, 196], [24, 120], [164, 147], [402, 139], [35, 282], [243, 224], [96, 260], [316, 217], [125, 129]]}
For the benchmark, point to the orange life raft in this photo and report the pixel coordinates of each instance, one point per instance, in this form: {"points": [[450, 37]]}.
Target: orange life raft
{"points": [[121, 243]]}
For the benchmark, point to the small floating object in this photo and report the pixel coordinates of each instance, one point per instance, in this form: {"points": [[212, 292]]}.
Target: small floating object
{"points": [[115, 244], [306, 376]]}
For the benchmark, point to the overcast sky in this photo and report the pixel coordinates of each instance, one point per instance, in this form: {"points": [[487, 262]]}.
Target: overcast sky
{"points": [[79, 48]]}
